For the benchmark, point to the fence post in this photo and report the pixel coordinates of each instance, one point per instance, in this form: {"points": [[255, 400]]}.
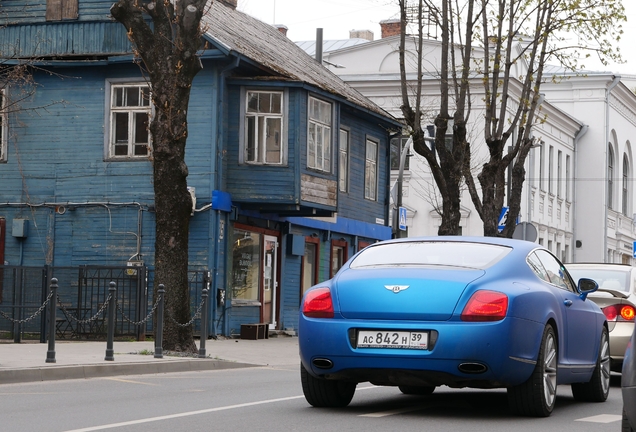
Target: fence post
{"points": [[50, 353], [159, 335], [112, 291], [204, 322]]}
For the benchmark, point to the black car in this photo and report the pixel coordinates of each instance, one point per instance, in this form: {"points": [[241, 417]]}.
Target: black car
{"points": [[628, 383]]}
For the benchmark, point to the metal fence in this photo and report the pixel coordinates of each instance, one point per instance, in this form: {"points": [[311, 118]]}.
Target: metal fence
{"points": [[81, 295]]}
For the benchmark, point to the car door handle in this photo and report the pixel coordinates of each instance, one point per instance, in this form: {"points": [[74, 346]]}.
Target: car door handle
{"points": [[567, 303]]}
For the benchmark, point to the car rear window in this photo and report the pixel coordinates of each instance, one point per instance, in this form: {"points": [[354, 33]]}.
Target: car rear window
{"points": [[454, 254], [606, 279]]}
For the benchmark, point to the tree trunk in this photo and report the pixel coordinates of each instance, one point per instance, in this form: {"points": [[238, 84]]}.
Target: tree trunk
{"points": [[168, 51]]}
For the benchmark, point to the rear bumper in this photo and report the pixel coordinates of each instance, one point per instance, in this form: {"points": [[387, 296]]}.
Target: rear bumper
{"points": [[619, 337], [506, 348]]}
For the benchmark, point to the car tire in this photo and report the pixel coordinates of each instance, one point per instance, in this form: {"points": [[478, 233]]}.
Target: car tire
{"points": [[598, 387], [536, 397], [326, 393], [417, 390], [625, 426]]}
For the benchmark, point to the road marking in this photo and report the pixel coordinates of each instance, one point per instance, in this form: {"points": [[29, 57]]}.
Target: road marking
{"points": [[602, 418], [183, 414], [130, 381], [391, 412], [191, 413]]}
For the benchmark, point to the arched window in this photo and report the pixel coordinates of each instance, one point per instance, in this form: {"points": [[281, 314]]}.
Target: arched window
{"points": [[625, 196], [610, 176]]}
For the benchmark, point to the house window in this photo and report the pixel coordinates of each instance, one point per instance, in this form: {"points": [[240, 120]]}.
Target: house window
{"points": [[319, 135], [625, 184], [129, 117], [541, 173], [58, 10], [559, 173], [343, 168], [567, 178], [550, 165], [371, 171], [610, 177], [338, 256], [3, 130], [309, 269], [263, 134]]}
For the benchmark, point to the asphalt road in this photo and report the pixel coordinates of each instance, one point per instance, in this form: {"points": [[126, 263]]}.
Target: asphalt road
{"points": [[270, 399]]}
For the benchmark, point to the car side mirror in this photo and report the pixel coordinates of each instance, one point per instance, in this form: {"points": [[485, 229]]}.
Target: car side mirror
{"points": [[587, 286]]}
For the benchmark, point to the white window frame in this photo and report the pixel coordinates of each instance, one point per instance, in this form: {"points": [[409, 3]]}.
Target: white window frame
{"points": [[110, 111], [343, 161], [260, 152], [3, 126], [626, 188], [610, 177], [319, 149], [371, 149]]}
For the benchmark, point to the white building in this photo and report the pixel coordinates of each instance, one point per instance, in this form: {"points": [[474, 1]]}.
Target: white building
{"points": [[579, 192]]}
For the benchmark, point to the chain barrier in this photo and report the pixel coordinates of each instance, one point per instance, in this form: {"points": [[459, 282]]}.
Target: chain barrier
{"points": [[26, 320], [143, 321], [197, 314], [71, 317]]}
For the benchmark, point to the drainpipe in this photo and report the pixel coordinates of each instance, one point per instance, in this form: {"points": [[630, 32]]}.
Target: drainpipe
{"points": [[608, 92], [217, 225], [578, 136]]}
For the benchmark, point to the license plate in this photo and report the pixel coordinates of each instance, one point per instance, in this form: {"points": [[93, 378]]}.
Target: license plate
{"points": [[392, 339]]}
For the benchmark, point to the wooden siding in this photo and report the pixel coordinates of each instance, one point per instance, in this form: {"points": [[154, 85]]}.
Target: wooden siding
{"points": [[57, 156], [271, 184], [64, 39], [352, 204], [34, 11], [318, 190]]}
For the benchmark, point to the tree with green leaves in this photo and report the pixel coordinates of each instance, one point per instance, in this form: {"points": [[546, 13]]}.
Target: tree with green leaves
{"points": [[168, 53], [504, 47]]}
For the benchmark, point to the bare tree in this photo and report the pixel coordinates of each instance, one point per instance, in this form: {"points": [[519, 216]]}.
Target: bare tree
{"points": [[168, 51], [447, 157], [495, 40]]}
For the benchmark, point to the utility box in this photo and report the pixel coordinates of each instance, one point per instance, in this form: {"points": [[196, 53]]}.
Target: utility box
{"points": [[20, 228]]}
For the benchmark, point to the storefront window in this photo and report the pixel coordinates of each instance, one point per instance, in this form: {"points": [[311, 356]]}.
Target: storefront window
{"points": [[245, 272]]}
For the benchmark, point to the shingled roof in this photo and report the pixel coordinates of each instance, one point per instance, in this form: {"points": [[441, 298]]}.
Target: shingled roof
{"points": [[265, 45]]}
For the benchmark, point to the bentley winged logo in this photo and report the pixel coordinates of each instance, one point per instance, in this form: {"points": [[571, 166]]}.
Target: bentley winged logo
{"points": [[396, 288]]}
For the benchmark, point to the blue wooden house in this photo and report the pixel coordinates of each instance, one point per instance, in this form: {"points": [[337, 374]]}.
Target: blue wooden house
{"points": [[288, 165]]}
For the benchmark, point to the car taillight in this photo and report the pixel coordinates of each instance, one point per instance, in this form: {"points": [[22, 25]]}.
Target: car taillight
{"points": [[318, 303], [486, 306], [619, 312]]}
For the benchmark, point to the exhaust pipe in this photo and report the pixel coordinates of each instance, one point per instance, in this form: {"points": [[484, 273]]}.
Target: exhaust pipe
{"points": [[472, 368], [322, 363]]}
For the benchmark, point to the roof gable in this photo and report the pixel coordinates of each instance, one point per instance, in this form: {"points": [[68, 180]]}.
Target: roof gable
{"points": [[234, 31]]}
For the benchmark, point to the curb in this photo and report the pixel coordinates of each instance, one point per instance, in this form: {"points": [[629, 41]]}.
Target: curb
{"points": [[53, 373]]}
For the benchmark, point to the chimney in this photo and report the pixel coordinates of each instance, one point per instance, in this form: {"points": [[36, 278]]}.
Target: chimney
{"points": [[230, 3], [281, 28], [361, 34], [319, 45], [390, 28]]}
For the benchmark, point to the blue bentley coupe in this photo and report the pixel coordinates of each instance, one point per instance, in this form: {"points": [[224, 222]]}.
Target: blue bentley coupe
{"points": [[476, 312]]}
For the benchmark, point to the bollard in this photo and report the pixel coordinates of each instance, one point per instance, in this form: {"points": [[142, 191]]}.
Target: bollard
{"points": [[159, 335], [112, 291], [204, 322], [50, 354]]}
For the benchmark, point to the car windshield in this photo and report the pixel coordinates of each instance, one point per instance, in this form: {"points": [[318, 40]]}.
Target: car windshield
{"points": [[435, 253], [606, 279]]}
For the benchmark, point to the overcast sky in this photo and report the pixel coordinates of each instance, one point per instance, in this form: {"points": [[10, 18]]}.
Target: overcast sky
{"points": [[338, 17]]}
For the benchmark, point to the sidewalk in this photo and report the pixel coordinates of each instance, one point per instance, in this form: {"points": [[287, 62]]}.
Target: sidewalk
{"points": [[26, 362]]}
